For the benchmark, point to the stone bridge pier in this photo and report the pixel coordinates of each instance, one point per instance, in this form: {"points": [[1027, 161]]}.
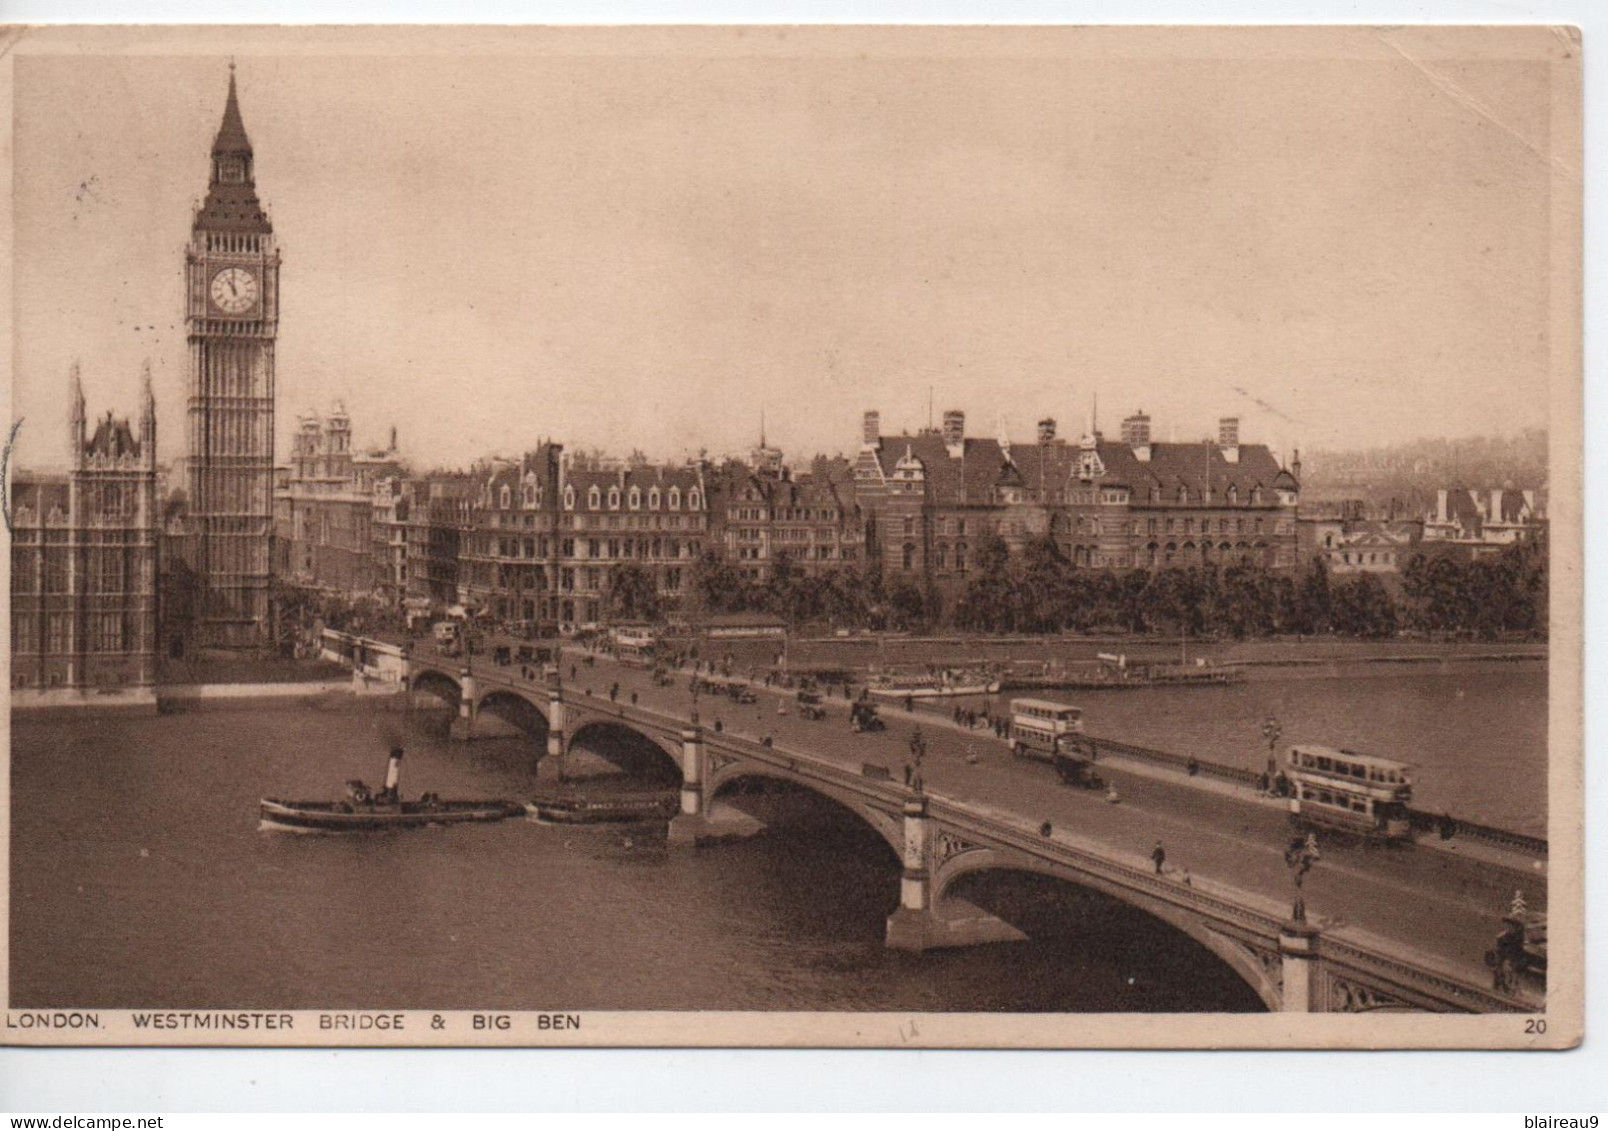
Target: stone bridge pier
{"points": [[463, 727], [691, 825], [920, 922], [1286, 974], [551, 768]]}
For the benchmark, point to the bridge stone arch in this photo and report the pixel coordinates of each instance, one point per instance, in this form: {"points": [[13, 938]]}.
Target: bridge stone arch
{"points": [[1258, 966], [519, 710], [437, 682], [727, 771], [632, 748]]}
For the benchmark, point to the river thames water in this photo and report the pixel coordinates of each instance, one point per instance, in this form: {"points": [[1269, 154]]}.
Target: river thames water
{"points": [[140, 879], [1476, 733]]}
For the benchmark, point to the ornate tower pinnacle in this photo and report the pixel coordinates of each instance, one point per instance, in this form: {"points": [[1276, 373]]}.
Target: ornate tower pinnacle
{"points": [[232, 203], [147, 412], [76, 424]]}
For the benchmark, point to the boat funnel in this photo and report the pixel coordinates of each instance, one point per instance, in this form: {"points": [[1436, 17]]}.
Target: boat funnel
{"points": [[393, 770]]}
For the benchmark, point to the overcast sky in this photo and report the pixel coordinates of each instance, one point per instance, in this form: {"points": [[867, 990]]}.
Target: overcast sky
{"points": [[648, 248]]}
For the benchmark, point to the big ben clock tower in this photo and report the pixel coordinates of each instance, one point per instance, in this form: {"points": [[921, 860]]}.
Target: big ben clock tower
{"points": [[232, 319]]}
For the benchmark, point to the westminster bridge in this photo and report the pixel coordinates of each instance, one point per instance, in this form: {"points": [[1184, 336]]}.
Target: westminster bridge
{"points": [[1401, 930]]}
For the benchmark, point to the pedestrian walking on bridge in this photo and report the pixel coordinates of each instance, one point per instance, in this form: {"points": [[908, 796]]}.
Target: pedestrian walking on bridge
{"points": [[1159, 855]]}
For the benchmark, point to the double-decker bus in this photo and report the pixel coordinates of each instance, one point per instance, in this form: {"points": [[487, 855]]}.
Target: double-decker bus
{"points": [[1042, 728], [1350, 792], [633, 644]]}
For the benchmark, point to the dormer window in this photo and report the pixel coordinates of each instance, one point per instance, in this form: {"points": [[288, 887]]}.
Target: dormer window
{"points": [[594, 498], [1183, 494], [675, 498], [1233, 495], [569, 498], [614, 498], [636, 498], [504, 498], [1256, 496], [653, 498], [693, 502]]}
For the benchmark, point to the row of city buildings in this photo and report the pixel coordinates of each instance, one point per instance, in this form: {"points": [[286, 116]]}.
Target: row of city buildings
{"points": [[113, 566], [534, 541]]}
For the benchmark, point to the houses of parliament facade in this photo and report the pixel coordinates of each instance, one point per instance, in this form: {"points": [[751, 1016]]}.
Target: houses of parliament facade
{"points": [[85, 547]]}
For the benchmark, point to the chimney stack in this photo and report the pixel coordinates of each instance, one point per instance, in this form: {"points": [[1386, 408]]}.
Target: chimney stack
{"points": [[393, 773], [871, 435], [1047, 430], [955, 432], [1136, 434], [1136, 430], [1228, 438], [393, 438]]}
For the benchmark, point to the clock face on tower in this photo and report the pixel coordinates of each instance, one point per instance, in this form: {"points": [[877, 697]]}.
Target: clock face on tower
{"points": [[234, 290]]}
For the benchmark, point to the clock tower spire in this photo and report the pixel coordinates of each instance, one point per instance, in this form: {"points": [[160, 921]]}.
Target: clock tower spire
{"points": [[232, 323]]}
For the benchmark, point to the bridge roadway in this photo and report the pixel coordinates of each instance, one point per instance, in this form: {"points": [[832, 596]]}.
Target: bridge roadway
{"points": [[1433, 911]]}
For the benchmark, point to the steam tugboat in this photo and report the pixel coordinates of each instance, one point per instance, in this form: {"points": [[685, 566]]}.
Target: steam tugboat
{"points": [[365, 810]]}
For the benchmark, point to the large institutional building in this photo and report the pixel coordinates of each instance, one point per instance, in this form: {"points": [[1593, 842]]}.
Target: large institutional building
{"points": [[1132, 503], [232, 319], [324, 508], [83, 564]]}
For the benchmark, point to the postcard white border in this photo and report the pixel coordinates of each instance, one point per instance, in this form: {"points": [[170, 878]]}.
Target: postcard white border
{"points": [[1179, 1081]]}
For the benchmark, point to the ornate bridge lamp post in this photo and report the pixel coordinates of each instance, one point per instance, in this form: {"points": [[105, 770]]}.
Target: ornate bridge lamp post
{"points": [[918, 754], [1300, 857], [1298, 941], [1271, 730]]}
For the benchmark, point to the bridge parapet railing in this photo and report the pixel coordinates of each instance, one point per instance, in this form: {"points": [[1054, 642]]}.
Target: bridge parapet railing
{"points": [[1235, 774], [1241, 914], [1422, 978], [1427, 822]]}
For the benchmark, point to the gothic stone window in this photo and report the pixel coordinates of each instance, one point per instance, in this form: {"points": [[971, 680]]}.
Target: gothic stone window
{"points": [[55, 570]]}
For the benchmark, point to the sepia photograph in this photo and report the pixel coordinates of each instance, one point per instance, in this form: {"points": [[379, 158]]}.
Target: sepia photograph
{"points": [[987, 537]]}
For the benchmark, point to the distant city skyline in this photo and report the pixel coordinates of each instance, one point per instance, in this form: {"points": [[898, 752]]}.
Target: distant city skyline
{"points": [[646, 251]]}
